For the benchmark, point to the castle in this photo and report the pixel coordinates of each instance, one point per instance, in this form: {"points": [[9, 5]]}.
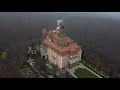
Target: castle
{"points": [[60, 49]]}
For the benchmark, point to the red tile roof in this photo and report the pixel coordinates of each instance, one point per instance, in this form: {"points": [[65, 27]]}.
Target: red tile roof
{"points": [[71, 47]]}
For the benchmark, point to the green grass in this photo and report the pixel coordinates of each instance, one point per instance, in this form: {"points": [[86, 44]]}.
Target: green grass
{"points": [[98, 72], [84, 73]]}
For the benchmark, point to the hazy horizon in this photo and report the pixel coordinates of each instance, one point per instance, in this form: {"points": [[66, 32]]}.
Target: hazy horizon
{"points": [[87, 27], [100, 14], [97, 33]]}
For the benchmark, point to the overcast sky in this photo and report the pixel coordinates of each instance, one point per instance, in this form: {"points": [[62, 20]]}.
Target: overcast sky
{"points": [[114, 15], [110, 14], [103, 14]]}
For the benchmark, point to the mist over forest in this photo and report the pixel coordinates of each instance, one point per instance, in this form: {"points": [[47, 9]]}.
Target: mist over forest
{"points": [[99, 32]]}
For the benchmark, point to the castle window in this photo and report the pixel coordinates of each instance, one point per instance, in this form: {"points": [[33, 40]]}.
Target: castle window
{"points": [[49, 39]]}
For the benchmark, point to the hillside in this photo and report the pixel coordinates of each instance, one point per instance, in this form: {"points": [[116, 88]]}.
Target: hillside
{"points": [[96, 34]]}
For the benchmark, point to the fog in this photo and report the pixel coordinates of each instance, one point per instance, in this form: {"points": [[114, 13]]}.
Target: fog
{"points": [[99, 30]]}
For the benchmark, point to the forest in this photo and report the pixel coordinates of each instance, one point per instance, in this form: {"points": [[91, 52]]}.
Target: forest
{"points": [[98, 37]]}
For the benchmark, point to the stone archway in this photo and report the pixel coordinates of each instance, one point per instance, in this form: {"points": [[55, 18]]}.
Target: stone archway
{"points": [[43, 57], [47, 57], [69, 65]]}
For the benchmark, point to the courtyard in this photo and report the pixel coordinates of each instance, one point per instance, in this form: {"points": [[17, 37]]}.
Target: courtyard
{"points": [[81, 71]]}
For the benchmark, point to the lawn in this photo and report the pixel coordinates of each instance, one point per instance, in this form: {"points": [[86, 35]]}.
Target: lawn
{"points": [[84, 73]]}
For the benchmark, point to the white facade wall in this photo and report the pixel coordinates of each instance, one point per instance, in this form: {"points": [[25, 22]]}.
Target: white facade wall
{"points": [[62, 61]]}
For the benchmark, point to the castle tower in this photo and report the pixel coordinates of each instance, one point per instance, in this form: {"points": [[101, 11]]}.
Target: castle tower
{"points": [[60, 49]]}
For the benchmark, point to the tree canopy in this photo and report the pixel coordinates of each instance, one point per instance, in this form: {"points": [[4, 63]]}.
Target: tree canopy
{"points": [[4, 55]]}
